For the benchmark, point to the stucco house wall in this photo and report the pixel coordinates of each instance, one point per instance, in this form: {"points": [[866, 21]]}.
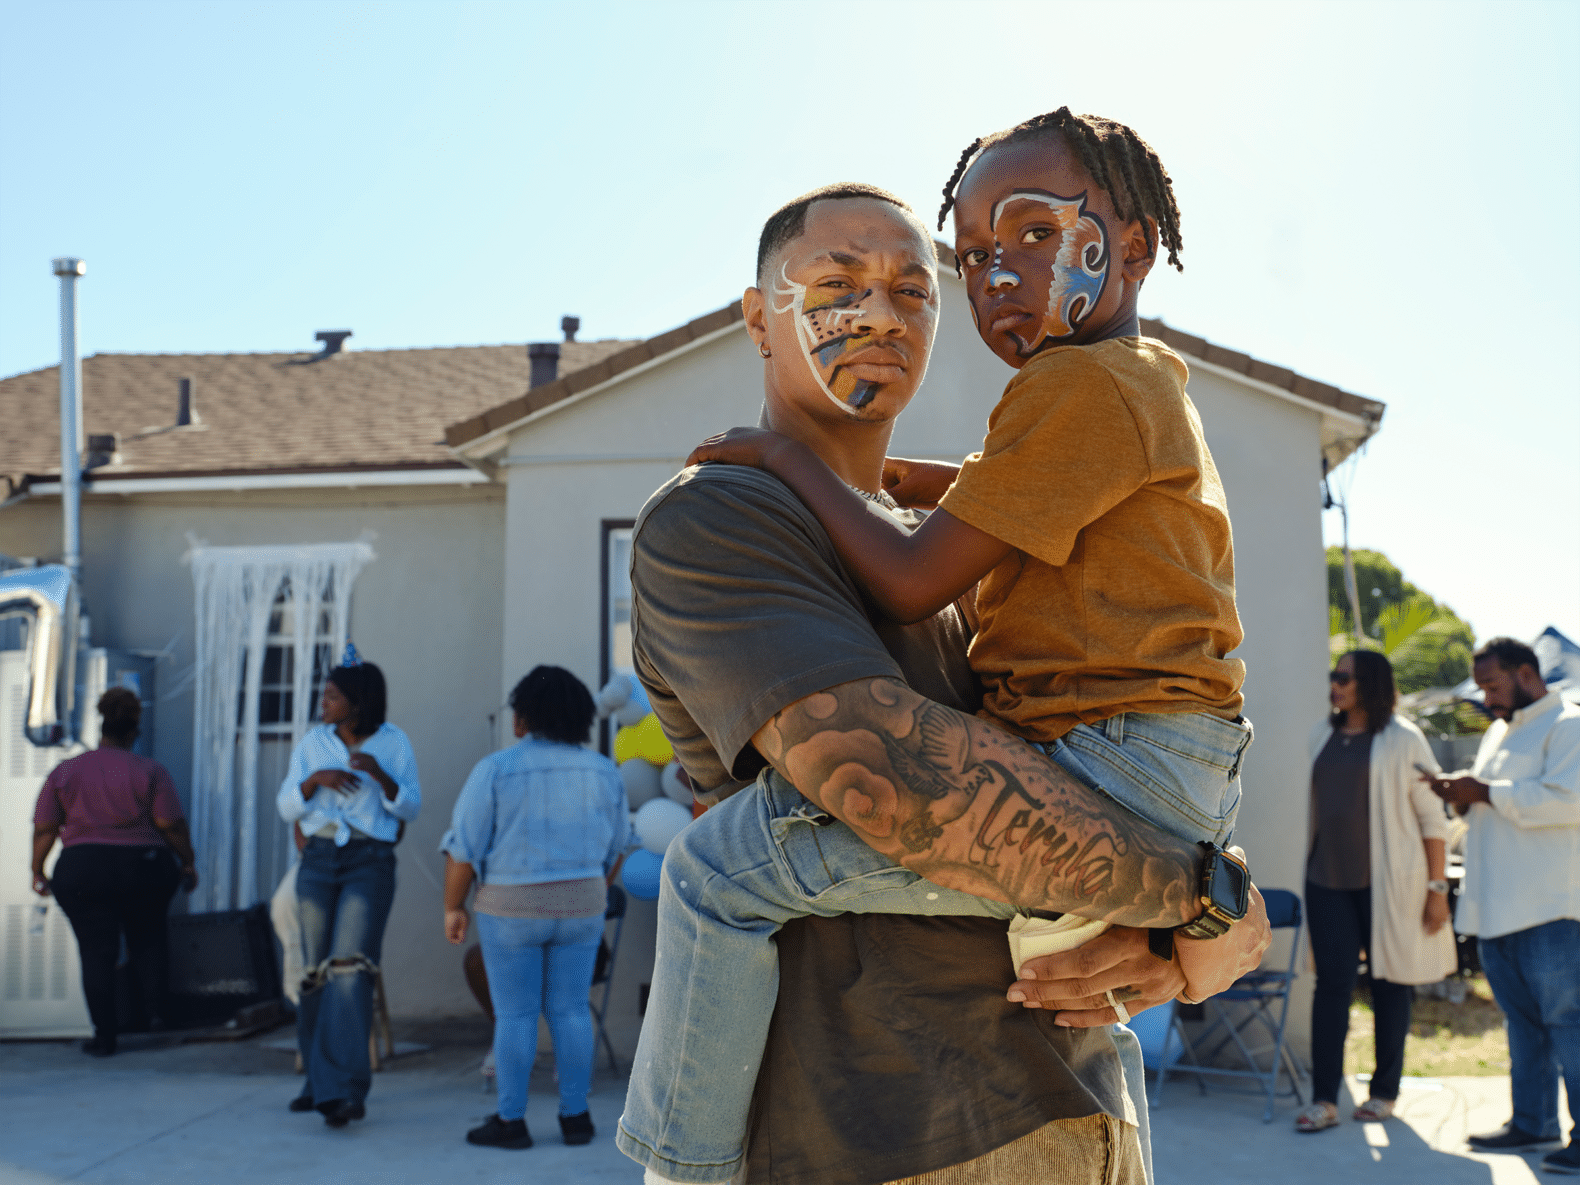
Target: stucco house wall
{"points": [[428, 610]]}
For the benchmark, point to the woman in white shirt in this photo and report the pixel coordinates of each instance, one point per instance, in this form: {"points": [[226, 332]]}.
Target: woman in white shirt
{"points": [[351, 784], [1374, 880]]}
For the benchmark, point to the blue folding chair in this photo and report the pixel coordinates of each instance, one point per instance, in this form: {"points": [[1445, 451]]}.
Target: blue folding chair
{"points": [[614, 912], [1260, 993], [1163, 1044]]}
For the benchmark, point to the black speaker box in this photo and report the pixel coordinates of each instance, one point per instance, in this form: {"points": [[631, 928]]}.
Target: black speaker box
{"points": [[219, 963]]}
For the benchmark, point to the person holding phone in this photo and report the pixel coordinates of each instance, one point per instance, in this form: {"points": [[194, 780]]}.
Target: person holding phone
{"points": [[1374, 880], [351, 785], [126, 849]]}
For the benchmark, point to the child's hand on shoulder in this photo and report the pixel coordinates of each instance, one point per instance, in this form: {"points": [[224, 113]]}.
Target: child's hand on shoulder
{"points": [[917, 484], [757, 447]]}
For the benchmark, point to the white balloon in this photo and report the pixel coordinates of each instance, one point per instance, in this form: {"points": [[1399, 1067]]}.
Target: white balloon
{"points": [[658, 822], [630, 713], [615, 694], [672, 785], [642, 781]]}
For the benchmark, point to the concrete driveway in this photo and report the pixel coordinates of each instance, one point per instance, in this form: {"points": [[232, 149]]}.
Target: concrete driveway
{"points": [[177, 1114]]}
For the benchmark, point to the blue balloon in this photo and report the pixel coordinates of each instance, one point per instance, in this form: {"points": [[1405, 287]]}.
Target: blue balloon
{"points": [[640, 874]]}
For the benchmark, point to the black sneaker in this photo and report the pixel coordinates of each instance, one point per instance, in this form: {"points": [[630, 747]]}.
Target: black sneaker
{"points": [[1508, 1138], [302, 1102], [1566, 1160], [577, 1129], [339, 1112], [501, 1133], [99, 1047]]}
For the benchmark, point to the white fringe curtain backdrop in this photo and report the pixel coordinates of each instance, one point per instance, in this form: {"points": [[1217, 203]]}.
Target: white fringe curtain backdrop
{"points": [[235, 590]]}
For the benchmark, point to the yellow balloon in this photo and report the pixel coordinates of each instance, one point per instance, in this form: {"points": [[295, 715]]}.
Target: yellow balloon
{"points": [[626, 744], [651, 743]]}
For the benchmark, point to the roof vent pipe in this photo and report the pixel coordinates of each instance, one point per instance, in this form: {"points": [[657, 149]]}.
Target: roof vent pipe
{"points": [[545, 362], [186, 414], [334, 341], [569, 326], [71, 438]]}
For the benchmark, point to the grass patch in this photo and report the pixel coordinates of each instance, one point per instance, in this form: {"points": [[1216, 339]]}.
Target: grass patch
{"points": [[1445, 1039]]}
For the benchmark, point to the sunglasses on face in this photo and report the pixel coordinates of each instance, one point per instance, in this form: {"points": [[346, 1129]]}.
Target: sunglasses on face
{"points": [[1340, 678]]}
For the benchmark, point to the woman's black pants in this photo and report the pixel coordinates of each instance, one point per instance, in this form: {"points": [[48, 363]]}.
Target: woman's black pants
{"points": [[1341, 924], [107, 890]]}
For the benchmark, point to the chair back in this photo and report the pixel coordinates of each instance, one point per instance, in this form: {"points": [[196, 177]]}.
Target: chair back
{"points": [[1283, 908], [615, 908], [1154, 1028]]}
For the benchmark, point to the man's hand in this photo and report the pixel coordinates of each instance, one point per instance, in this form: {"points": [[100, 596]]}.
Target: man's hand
{"points": [[455, 924], [41, 884], [1212, 964], [917, 484], [1073, 982], [1460, 793], [1435, 915]]}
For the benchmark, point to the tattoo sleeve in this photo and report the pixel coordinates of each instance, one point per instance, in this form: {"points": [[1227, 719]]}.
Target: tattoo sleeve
{"points": [[970, 807]]}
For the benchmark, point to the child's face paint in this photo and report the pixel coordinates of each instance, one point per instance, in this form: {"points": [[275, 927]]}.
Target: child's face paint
{"points": [[1036, 263], [825, 324]]}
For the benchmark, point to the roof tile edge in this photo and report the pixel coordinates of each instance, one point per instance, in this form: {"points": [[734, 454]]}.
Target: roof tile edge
{"points": [[460, 434]]}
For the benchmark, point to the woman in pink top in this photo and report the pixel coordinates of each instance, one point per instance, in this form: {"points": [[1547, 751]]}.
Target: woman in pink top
{"points": [[119, 820]]}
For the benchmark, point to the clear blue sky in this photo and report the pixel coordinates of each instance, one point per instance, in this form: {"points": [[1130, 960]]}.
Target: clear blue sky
{"points": [[1379, 195]]}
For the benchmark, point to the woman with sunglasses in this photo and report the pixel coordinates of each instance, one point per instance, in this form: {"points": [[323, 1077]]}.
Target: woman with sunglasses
{"points": [[1374, 880]]}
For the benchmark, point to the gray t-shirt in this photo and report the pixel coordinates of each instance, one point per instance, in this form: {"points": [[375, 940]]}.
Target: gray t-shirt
{"points": [[892, 1050]]}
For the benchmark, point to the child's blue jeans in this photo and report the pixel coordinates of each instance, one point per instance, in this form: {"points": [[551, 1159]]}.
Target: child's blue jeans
{"points": [[766, 855]]}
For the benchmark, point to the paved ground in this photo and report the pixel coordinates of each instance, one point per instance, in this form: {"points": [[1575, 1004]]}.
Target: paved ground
{"points": [[179, 1114]]}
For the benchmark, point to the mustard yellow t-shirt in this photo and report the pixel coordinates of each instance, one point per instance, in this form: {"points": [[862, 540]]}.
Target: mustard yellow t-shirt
{"points": [[1120, 595]]}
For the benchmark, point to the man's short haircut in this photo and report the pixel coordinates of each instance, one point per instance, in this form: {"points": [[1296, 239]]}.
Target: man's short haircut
{"points": [[788, 222], [1509, 654]]}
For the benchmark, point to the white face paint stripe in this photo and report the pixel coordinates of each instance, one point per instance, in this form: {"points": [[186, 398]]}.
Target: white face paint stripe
{"points": [[797, 307]]}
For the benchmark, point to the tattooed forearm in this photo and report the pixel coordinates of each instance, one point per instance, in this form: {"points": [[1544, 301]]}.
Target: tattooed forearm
{"points": [[970, 807]]}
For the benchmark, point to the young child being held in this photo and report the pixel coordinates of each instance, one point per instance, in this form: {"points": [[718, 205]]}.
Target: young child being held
{"points": [[1092, 524], [1093, 517]]}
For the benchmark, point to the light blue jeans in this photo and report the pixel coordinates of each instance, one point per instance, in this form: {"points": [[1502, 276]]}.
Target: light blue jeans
{"points": [[541, 965], [343, 899], [766, 855]]}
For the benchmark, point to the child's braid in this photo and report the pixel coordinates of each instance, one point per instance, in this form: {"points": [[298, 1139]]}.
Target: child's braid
{"points": [[1118, 161]]}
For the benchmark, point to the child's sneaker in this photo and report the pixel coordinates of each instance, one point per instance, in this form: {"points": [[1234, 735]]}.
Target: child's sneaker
{"points": [[577, 1129]]}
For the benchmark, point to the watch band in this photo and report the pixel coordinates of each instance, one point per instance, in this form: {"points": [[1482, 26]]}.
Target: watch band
{"points": [[1437, 887], [1215, 919]]}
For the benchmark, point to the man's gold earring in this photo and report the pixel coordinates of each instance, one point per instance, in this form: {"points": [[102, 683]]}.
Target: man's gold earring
{"points": [[765, 351]]}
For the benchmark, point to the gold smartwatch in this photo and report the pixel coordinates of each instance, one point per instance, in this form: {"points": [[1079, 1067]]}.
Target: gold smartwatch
{"points": [[1225, 894]]}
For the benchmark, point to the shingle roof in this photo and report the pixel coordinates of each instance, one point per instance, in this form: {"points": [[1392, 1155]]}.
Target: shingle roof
{"points": [[359, 409]]}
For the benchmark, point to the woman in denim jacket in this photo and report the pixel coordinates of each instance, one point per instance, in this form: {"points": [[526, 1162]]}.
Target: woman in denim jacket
{"points": [[541, 826]]}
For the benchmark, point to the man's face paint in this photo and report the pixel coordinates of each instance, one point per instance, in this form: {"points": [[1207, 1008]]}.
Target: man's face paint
{"points": [[824, 326], [1076, 276]]}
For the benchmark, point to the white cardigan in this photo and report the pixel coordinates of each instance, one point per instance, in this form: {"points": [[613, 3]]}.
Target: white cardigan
{"points": [[1403, 812]]}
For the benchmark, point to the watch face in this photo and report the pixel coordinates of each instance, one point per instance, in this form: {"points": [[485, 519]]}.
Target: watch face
{"points": [[1230, 889]]}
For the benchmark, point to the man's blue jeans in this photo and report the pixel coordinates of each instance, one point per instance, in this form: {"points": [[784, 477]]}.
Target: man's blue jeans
{"points": [[1535, 976], [541, 965], [343, 897], [762, 857]]}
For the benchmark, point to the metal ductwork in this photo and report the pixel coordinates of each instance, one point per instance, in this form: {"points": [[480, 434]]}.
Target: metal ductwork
{"points": [[46, 598]]}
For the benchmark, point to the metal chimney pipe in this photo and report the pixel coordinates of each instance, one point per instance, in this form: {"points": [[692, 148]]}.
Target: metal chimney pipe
{"points": [[71, 430], [184, 406], [545, 357]]}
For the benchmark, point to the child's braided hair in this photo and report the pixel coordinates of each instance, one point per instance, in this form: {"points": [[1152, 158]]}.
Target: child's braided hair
{"points": [[1121, 162]]}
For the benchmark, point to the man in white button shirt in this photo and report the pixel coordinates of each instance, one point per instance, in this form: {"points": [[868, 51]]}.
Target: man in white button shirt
{"points": [[1522, 888]]}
